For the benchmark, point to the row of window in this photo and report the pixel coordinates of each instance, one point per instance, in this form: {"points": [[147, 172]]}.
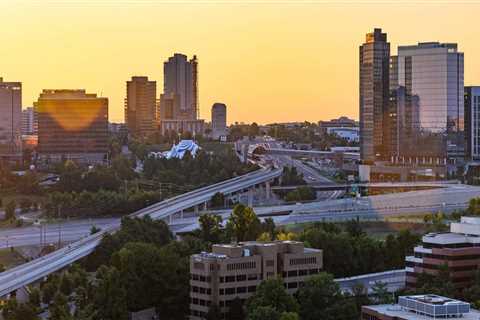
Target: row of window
{"points": [[237, 290], [437, 266], [201, 290], [201, 278], [300, 273], [307, 260], [447, 257], [240, 277], [241, 265], [200, 302]]}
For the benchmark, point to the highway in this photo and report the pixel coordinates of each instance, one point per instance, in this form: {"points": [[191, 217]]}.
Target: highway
{"points": [[34, 270], [394, 279]]}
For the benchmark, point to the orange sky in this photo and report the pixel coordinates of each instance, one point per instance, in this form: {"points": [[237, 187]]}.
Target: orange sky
{"points": [[268, 60]]}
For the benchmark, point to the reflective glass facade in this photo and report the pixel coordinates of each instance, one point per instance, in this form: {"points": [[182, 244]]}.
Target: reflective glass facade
{"points": [[430, 120], [374, 95], [472, 122]]}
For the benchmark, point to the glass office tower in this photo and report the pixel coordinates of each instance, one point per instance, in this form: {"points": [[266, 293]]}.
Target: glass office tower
{"points": [[374, 95], [431, 120], [472, 123]]}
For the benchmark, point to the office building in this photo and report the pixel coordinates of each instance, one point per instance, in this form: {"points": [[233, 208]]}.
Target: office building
{"points": [[472, 123], [235, 271], [219, 121], [430, 103], [29, 122], [181, 79], [72, 124], [421, 307], [141, 106], [10, 117], [458, 249], [374, 95], [195, 127]]}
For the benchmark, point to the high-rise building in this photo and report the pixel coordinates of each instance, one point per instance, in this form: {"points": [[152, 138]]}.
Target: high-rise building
{"points": [[458, 249], [219, 120], [472, 123], [141, 106], [374, 95], [72, 125], [181, 78], [235, 271], [29, 121], [430, 117], [10, 117]]}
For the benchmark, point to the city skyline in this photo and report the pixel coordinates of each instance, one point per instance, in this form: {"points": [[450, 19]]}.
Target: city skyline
{"points": [[242, 49]]}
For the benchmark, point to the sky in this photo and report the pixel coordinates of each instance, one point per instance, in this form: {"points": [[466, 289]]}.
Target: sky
{"points": [[268, 60]]}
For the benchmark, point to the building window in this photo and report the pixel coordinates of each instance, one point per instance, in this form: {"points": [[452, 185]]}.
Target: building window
{"points": [[252, 288], [242, 278], [222, 292], [198, 265], [292, 285], [230, 279], [292, 273], [270, 263], [241, 289], [252, 277], [229, 291]]}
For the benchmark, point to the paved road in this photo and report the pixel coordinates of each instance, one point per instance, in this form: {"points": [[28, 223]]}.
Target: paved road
{"points": [[34, 270], [67, 231], [394, 279]]}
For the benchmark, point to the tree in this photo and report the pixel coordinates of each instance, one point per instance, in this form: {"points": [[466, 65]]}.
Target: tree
{"points": [[10, 210], [271, 293], [66, 284], [59, 309], [110, 300], [218, 200], [289, 316], [2, 267], [243, 223], [381, 294], [210, 227], [320, 298], [268, 225], [264, 313], [213, 313], [34, 297], [25, 311], [48, 292], [236, 310]]}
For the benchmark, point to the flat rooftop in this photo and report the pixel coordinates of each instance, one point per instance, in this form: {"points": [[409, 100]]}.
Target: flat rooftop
{"points": [[395, 310], [428, 306]]}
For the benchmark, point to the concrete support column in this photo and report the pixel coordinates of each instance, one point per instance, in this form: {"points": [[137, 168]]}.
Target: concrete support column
{"points": [[181, 214], [205, 206], [250, 197], [268, 190], [195, 209], [170, 219]]}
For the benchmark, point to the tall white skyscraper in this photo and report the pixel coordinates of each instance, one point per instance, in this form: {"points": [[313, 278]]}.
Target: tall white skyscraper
{"points": [[10, 116], [180, 78], [29, 121]]}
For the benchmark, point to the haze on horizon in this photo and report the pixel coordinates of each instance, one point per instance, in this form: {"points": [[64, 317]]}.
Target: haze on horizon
{"points": [[269, 61]]}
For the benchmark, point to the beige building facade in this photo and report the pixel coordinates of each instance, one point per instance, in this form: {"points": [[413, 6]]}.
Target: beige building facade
{"points": [[235, 271]]}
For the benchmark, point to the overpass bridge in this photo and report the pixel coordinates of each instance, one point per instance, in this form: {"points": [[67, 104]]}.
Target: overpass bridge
{"points": [[32, 271], [376, 185]]}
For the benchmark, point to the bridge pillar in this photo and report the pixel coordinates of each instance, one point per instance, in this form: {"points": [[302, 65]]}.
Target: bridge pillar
{"points": [[267, 190], [195, 209], [170, 219], [205, 206], [181, 214], [250, 197]]}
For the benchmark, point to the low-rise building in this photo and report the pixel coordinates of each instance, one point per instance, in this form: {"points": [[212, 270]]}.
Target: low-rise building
{"points": [[458, 249], [421, 307], [235, 271]]}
